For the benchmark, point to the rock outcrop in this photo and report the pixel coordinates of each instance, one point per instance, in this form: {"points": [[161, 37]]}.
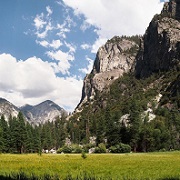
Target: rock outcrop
{"points": [[161, 49], [157, 51], [113, 59]]}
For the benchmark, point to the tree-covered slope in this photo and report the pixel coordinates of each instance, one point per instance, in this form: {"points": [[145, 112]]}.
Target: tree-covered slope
{"points": [[143, 113], [132, 94]]}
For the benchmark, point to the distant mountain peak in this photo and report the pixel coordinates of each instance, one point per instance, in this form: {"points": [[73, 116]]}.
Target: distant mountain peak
{"points": [[40, 113], [43, 112]]}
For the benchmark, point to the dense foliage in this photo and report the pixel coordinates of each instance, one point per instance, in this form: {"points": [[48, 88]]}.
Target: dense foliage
{"points": [[130, 113]]}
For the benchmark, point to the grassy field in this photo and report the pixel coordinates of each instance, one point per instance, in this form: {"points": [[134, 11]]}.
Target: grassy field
{"points": [[107, 166]]}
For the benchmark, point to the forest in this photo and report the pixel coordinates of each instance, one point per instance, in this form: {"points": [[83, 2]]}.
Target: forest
{"points": [[100, 124]]}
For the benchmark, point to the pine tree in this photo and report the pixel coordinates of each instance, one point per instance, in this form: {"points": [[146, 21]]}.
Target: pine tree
{"points": [[21, 133], [5, 134]]}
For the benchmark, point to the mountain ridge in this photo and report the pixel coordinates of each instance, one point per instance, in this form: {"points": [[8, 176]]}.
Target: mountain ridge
{"points": [[37, 114], [157, 51]]}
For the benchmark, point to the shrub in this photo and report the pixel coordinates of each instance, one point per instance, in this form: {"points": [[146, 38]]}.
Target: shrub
{"points": [[76, 148], [83, 155], [120, 148], [65, 149], [87, 147], [100, 149], [59, 151]]}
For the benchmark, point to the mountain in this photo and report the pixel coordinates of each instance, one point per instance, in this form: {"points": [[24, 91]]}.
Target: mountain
{"points": [[7, 108], [43, 112], [157, 51], [37, 114], [113, 59], [132, 94], [161, 48]]}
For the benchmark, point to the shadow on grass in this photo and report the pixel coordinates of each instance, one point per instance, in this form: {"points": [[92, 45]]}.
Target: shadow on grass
{"points": [[23, 176], [171, 178], [84, 176]]}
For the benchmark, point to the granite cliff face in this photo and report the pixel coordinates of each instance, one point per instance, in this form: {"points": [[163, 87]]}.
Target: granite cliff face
{"points": [[113, 59], [161, 48], [157, 51]]}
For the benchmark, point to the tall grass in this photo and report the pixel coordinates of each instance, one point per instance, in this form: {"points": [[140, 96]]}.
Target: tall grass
{"points": [[147, 166]]}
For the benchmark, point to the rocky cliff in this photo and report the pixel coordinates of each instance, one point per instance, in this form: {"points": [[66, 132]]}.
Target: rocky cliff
{"points": [[113, 59], [161, 48], [157, 51], [132, 95]]}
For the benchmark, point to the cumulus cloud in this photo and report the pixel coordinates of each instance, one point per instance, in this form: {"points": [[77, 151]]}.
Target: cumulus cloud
{"points": [[33, 81], [117, 17], [63, 60]]}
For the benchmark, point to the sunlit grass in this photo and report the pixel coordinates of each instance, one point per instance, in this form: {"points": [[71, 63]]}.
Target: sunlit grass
{"points": [[115, 166]]}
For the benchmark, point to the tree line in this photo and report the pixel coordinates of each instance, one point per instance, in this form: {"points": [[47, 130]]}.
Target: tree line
{"points": [[18, 136], [102, 121]]}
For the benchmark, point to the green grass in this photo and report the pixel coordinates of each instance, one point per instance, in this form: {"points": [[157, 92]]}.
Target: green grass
{"points": [[107, 166]]}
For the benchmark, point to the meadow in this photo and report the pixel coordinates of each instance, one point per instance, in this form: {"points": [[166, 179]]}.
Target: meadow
{"points": [[161, 166]]}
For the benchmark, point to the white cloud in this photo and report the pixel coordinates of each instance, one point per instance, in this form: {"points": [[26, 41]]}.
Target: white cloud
{"points": [[115, 18], [85, 26], [56, 44], [89, 67], [33, 81], [62, 30], [43, 24], [72, 48], [63, 60], [49, 10], [39, 22], [43, 34], [98, 43], [85, 46], [43, 43]]}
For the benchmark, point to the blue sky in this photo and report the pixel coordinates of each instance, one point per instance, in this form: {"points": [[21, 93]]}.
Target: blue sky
{"points": [[48, 46]]}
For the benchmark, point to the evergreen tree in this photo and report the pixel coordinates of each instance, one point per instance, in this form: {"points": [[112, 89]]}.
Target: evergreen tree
{"points": [[21, 134], [5, 134]]}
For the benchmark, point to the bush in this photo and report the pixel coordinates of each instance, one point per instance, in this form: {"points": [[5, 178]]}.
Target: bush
{"points": [[120, 148], [86, 147], [76, 148], [100, 149], [65, 149], [59, 151], [83, 155]]}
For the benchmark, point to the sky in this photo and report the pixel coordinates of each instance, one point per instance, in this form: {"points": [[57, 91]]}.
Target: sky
{"points": [[48, 46]]}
